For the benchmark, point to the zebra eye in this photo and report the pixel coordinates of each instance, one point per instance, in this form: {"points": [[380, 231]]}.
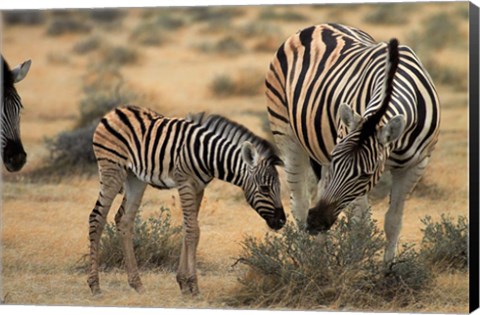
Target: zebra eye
{"points": [[264, 189]]}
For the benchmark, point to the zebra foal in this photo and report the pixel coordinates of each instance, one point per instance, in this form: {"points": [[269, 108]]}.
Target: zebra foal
{"points": [[13, 153], [136, 147], [343, 109]]}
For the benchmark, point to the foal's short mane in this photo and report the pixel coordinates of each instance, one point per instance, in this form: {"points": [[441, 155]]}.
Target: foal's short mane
{"points": [[236, 133]]}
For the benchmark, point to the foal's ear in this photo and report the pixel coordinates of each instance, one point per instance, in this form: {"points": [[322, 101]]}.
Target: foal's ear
{"points": [[349, 117], [20, 72], [249, 153], [392, 130]]}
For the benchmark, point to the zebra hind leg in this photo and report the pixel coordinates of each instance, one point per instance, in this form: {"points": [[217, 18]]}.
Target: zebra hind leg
{"points": [[403, 182], [111, 181], [124, 219]]}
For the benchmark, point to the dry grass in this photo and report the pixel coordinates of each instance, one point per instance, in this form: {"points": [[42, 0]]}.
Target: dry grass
{"points": [[45, 226]]}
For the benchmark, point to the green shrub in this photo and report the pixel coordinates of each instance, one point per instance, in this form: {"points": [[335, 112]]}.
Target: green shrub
{"points": [[445, 243], [23, 17], [293, 270], [156, 242]]}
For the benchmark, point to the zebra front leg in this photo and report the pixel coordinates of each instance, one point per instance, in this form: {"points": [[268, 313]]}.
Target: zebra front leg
{"points": [[111, 182], [187, 273], [403, 182], [300, 177], [125, 219]]}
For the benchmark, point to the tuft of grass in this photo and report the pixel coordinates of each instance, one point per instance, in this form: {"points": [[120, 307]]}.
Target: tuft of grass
{"points": [[23, 17], [293, 270], [247, 82], [445, 243]]}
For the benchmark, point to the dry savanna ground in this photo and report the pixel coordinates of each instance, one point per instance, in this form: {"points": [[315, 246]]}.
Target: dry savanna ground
{"points": [[45, 222]]}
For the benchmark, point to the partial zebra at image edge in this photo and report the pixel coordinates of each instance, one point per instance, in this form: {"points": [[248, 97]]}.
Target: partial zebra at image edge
{"points": [[474, 159]]}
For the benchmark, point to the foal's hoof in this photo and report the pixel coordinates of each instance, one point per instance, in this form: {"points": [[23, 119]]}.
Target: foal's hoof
{"points": [[96, 291], [140, 289], [189, 286]]}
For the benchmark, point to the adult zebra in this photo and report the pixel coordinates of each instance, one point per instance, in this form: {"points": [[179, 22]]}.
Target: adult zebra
{"points": [[13, 154], [135, 147], [345, 108]]}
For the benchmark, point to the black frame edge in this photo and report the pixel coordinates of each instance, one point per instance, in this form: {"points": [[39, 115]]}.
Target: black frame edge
{"points": [[474, 158]]}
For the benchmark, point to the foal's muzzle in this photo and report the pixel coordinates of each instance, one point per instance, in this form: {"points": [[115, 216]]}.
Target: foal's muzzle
{"points": [[14, 156]]}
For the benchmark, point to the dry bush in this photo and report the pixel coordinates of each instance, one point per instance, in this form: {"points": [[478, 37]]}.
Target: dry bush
{"points": [[438, 31], [293, 270], [247, 82], [148, 34], [119, 55], [107, 15], [67, 24], [23, 17], [156, 243], [87, 45], [71, 151], [389, 14], [228, 46], [446, 75], [287, 15], [445, 243]]}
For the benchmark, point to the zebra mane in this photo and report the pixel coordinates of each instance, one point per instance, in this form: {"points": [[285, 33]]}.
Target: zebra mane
{"points": [[236, 133], [369, 126]]}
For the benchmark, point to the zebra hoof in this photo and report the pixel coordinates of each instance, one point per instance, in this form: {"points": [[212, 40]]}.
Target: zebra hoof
{"points": [[96, 291]]}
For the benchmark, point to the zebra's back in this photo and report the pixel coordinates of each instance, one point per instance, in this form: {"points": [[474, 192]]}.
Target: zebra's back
{"points": [[322, 66], [141, 141]]}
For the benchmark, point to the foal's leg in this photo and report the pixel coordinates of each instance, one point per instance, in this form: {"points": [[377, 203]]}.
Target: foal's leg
{"points": [[403, 182], [112, 178], [125, 219], [187, 274]]}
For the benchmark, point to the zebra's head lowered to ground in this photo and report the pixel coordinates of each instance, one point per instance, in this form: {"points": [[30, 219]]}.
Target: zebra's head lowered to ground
{"points": [[262, 185], [358, 159], [13, 154]]}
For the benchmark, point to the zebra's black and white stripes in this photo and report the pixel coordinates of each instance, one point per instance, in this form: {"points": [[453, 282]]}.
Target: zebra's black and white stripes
{"points": [[13, 154], [344, 108], [135, 147]]}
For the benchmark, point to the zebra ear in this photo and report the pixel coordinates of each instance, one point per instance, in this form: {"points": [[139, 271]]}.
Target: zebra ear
{"points": [[392, 130], [20, 72], [349, 117], [249, 153]]}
